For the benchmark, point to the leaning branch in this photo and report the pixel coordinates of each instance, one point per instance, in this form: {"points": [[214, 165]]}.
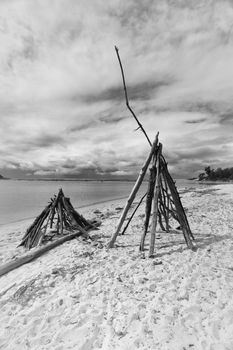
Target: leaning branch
{"points": [[127, 100], [133, 213]]}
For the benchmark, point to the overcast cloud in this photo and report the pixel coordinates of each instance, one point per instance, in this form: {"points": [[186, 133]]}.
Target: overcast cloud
{"points": [[61, 100]]}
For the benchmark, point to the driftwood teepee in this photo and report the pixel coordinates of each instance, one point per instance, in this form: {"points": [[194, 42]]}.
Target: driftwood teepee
{"points": [[162, 201], [162, 198], [59, 216]]}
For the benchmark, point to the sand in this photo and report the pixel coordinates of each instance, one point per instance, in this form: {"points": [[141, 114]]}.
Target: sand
{"points": [[81, 296]]}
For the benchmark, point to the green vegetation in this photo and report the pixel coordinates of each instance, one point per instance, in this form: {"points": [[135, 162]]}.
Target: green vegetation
{"points": [[218, 174]]}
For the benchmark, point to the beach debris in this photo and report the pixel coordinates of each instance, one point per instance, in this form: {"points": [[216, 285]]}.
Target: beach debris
{"points": [[162, 198], [97, 211], [58, 218]]}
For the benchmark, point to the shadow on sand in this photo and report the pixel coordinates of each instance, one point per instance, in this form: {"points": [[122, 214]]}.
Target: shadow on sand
{"points": [[201, 242]]}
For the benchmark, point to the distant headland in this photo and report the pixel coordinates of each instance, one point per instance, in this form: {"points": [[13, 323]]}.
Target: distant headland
{"points": [[219, 174], [3, 178]]}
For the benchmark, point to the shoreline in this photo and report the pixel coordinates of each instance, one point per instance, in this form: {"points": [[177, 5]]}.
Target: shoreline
{"points": [[217, 182], [86, 206]]}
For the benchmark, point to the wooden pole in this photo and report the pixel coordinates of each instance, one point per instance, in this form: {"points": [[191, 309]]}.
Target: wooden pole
{"points": [[155, 202], [150, 194], [133, 192]]}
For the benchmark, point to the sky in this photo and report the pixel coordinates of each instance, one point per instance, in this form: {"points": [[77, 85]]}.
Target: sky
{"points": [[62, 107]]}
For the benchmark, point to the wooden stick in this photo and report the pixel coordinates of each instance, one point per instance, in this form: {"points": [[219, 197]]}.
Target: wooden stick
{"points": [[173, 213], [179, 208], [76, 217], [133, 192], [35, 254], [45, 228], [50, 219], [126, 98], [53, 210], [155, 202], [150, 194], [162, 202], [161, 220], [35, 222], [132, 215], [35, 233], [167, 203], [59, 209]]}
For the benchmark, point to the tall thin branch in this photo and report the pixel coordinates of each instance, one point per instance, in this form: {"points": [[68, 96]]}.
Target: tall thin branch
{"points": [[127, 100]]}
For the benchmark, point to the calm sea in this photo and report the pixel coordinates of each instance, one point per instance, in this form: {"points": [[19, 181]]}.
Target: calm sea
{"points": [[21, 200]]}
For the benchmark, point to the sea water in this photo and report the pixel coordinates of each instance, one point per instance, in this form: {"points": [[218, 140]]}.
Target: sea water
{"points": [[20, 200]]}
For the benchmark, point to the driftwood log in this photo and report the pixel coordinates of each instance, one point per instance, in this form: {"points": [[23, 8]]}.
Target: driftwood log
{"points": [[4, 269]]}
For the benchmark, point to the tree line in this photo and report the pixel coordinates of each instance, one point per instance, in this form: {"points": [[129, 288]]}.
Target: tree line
{"points": [[216, 174]]}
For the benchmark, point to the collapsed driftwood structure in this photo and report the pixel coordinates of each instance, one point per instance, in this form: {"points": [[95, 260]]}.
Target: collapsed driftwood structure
{"points": [[162, 198], [162, 201], [58, 217]]}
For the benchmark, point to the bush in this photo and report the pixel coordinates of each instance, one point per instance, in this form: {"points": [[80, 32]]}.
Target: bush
{"points": [[215, 175]]}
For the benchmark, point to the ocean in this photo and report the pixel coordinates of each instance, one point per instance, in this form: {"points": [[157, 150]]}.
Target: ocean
{"points": [[20, 200]]}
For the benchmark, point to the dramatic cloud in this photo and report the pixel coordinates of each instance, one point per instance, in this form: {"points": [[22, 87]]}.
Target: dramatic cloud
{"points": [[61, 99]]}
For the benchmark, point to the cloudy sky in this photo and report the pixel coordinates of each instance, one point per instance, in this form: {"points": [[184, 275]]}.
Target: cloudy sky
{"points": [[62, 108]]}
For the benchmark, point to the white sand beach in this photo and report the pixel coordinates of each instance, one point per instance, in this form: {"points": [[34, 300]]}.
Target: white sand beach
{"points": [[82, 296]]}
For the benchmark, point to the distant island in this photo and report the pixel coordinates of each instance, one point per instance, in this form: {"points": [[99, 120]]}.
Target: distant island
{"points": [[218, 174]]}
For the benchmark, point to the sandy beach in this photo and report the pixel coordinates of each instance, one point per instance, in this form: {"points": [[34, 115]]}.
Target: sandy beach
{"points": [[82, 296]]}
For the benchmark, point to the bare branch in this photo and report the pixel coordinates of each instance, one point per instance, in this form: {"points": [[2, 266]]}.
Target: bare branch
{"points": [[127, 100]]}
